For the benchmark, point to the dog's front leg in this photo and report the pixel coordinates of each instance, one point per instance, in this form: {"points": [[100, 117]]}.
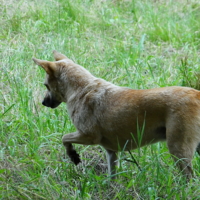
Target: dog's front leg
{"points": [[78, 138], [112, 161]]}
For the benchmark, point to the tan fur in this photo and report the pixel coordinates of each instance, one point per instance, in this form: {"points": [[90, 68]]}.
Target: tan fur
{"points": [[121, 118]]}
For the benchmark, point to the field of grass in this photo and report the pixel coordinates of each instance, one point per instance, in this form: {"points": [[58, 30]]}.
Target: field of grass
{"points": [[138, 44]]}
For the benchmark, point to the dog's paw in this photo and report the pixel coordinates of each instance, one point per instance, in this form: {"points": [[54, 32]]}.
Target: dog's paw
{"points": [[75, 158]]}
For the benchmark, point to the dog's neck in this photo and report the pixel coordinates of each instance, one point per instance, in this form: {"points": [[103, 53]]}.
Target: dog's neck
{"points": [[74, 80]]}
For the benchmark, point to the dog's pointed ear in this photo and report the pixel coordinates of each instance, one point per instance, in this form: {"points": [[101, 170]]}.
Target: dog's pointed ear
{"points": [[59, 56], [49, 67]]}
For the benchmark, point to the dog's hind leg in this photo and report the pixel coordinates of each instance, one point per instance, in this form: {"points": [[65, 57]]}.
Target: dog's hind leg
{"points": [[182, 136], [182, 157], [182, 152], [78, 138], [112, 161]]}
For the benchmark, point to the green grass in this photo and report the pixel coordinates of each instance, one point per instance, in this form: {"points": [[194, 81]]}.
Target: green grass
{"points": [[139, 44]]}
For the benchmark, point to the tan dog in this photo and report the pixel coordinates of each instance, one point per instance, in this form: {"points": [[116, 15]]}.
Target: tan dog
{"points": [[121, 118]]}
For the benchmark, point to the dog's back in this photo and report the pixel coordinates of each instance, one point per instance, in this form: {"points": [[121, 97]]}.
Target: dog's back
{"points": [[117, 112]]}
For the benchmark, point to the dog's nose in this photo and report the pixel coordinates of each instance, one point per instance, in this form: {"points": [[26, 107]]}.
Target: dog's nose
{"points": [[43, 103]]}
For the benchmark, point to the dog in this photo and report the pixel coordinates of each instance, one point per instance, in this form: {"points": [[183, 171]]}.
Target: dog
{"points": [[120, 118]]}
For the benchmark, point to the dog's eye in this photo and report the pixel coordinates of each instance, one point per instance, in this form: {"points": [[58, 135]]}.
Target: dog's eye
{"points": [[47, 86]]}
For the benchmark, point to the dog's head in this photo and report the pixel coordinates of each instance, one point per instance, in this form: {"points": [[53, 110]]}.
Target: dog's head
{"points": [[54, 96]]}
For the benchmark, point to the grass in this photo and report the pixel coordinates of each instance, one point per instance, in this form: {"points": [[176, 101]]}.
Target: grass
{"points": [[139, 44]]}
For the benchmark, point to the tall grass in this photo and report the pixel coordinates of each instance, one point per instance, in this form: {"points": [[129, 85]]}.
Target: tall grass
{"points": [[139, 44]]}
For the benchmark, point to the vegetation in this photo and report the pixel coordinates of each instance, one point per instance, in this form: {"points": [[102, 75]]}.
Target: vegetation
{"points": [[137, 44]]}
